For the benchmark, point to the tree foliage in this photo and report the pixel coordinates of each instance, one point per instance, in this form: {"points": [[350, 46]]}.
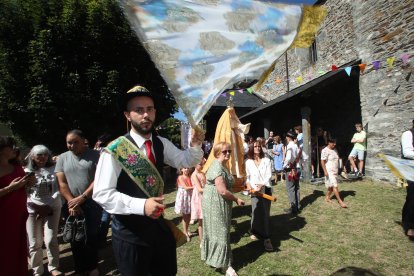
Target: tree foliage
{"points": [[63, 65], [171, 129]]}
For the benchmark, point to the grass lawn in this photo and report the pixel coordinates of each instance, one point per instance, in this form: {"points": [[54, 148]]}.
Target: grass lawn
{"points": [[323, 239]]}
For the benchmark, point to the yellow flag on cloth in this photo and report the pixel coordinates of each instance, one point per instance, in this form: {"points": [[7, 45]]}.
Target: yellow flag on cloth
{"points": [[311, 20], [229, 129]]}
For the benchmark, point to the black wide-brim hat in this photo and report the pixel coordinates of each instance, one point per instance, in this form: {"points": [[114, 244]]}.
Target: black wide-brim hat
{"points": [[136, 91]]}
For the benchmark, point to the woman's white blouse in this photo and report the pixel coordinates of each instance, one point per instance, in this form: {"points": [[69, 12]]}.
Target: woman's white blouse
{"points": [[261, 174]]}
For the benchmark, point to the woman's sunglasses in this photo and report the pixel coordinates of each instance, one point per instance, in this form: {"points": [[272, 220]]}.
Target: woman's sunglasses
{"points": [[226, 151]]}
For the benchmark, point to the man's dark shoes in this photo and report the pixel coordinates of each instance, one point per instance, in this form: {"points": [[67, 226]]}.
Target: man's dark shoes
{"points": [[69, 229], [80, 229]]}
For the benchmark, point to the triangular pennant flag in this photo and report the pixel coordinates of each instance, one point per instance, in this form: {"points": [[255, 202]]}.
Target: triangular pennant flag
{"points": [[348, 70], [231, 93], [390, 62], [321, 72], [376, 64], [362, 67], [334, 67], [250, 90], [223, 95], [310, 77], [240, 91], [404, 58], [278, 80], [299, 79]]}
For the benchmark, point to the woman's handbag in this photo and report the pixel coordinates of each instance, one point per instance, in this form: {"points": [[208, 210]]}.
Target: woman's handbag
{"points": [[179, 236]]}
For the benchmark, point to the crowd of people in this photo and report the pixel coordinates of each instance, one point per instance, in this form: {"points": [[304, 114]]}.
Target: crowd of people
{"points": [[122, 181]]}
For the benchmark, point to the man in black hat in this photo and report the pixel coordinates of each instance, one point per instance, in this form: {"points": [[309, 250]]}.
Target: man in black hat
{"points": [[128, 185], [292, 175]]}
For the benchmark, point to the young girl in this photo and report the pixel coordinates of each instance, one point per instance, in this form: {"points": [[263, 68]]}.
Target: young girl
{"points": [[199, 181], [278, 156], [183, 199]]}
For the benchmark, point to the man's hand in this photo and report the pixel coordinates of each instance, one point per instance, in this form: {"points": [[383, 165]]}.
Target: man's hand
{"points": [[197, 136], [77, 210], [153, 207], [77, 201]]}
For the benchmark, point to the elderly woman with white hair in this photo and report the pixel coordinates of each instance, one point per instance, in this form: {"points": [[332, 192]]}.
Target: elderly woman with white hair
{"points": [[44, 206]]}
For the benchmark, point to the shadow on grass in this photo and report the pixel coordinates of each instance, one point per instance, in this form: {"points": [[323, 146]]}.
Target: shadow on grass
{"points": [[354, 271], [309, 199], [241, 211], [106, 263], [344, 194], [281, 228]]}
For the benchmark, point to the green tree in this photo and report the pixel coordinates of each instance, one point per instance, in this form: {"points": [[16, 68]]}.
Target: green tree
{"points": [[171, 129], [63, 65]]}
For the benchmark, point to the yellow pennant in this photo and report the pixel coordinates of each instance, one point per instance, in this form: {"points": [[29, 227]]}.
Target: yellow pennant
{"points": [[390, 62]]}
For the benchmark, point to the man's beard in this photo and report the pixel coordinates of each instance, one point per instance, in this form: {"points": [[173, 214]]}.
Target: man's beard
{"points": [[140, 130]]}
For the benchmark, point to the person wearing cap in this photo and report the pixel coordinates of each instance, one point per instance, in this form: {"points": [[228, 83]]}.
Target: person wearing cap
{"points": [[292, 177], [128, 185]]}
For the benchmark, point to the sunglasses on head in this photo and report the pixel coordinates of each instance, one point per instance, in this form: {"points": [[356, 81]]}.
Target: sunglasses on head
{"points": [[226, 151]]}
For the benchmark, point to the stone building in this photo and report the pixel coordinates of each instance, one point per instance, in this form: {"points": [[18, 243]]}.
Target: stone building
{"points": [[303, 87]]}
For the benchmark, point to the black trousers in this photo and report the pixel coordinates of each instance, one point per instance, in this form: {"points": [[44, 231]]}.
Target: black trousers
{"points": [[157, 259], [408, 209], [85, 254]]}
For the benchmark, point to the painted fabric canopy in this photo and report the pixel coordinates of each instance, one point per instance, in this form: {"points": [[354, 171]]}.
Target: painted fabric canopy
{"points": [[203, 47]]}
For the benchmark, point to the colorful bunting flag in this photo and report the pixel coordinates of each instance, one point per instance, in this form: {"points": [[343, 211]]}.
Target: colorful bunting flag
{"points": [[299, 79], [334, 67], [404, 58], [348, 70], [250, 90], [390, 62], [376, 64], [278, 80], [362, 67], [231, 93]]}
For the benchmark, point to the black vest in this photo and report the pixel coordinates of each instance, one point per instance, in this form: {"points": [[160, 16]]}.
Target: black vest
{"points": [[135, 228]]}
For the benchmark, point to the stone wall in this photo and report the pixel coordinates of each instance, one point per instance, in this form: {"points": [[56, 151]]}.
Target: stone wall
{"points": [[368, 30], [385, 29]]}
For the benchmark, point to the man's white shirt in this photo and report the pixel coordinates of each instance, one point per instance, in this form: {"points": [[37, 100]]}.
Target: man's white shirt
{"points": [[407, 144], [109, 169]]}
